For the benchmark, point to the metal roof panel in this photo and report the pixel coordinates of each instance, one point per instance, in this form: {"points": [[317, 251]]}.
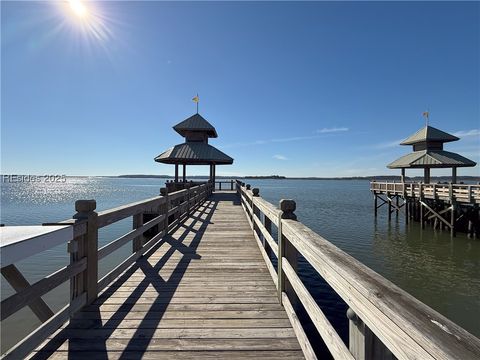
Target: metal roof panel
{"points": [[194, 153]]}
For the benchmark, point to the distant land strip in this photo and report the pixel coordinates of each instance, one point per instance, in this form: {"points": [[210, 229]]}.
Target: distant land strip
{"points": [[279, 177], [5, 178]]}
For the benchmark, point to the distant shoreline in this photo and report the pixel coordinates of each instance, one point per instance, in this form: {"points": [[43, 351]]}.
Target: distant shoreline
{"points": [[277, 177], [6, 178]]}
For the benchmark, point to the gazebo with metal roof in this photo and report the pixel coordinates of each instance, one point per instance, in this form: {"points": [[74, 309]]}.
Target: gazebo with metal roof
{"points": [[195, 150], [428, 153]]}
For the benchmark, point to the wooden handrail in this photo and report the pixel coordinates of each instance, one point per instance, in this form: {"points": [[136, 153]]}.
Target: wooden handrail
{"points": [[230, 184], [81, 233], [397, 321], [111, 216], [451, 192]]}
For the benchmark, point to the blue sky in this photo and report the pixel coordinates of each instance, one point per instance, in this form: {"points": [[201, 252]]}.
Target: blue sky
{"points": [[296, 89]]}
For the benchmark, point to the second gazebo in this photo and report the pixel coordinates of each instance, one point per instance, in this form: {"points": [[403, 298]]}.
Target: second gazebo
{"points": [[428, 153], [195, 150]]}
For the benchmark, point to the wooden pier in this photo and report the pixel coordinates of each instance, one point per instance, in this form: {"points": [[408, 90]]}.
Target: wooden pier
{"points": [[201, 283], [441, 205]]}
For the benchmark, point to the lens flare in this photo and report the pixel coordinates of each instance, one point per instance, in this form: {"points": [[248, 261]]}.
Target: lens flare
{"points": [[85, 19], [78, 8]]}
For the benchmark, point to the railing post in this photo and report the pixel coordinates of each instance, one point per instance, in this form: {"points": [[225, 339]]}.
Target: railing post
{"points": [[231, 185], [137, 243], [363, 343], [256, 211], [286, 250], [164, 193], [89, 247], [420, 195], [268, 225], [188, 200]]}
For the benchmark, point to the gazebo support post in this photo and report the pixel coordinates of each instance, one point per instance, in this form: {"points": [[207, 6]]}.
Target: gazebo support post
{"points": [[454, 175], [176, 173], [426, 175], [184, 173], [402, 177]]}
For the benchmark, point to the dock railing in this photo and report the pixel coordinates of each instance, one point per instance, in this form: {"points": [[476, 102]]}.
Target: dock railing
{"points": [[80, 234], [385, 322], [225, 185], [463, 193]]}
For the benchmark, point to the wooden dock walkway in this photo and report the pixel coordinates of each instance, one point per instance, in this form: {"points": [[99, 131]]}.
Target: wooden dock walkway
{"points": [[205, 292]]}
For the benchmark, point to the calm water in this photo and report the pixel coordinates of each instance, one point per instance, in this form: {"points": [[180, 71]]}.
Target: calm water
{"points": [[440, 271]]}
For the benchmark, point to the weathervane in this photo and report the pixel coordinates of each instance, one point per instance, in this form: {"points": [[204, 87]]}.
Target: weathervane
{"points": [[426, 115], [196, 100]]}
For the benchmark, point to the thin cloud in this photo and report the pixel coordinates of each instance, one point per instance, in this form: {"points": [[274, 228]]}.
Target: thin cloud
{"points": [[269, 141], [463, 133], [332, 130], [320, 134], [387, 145], [280, 157]]}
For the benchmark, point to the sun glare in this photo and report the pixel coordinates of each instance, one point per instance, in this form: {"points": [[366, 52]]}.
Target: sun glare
{"points": [[86, 20], [78, 8]]}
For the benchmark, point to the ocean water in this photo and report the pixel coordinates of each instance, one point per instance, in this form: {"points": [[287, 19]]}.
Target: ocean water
{"points": [[440, 271]]}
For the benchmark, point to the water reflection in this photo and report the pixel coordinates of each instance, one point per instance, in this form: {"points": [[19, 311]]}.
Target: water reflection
{"points": [[432, 266]]}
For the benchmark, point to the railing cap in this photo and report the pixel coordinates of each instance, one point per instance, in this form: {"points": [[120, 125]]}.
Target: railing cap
{"points": [[288, 206], [256, 191], [85, 206]]}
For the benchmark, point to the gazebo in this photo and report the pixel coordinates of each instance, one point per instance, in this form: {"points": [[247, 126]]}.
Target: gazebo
{"points": [[195, 150], [428, 153]]}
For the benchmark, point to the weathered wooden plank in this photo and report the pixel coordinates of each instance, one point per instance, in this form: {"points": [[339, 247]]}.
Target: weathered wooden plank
{"points": [[194, 287], [198, 307], [179, 355], [160, 323], [137, 333], [186, 344], [192, 300], [183, 314]]}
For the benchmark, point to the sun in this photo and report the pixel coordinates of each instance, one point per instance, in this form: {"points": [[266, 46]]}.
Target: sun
{"points": [[85, 20], [78, 8]]}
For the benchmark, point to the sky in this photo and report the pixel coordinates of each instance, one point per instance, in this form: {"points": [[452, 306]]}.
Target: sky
{"points": [[293, 88]]}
